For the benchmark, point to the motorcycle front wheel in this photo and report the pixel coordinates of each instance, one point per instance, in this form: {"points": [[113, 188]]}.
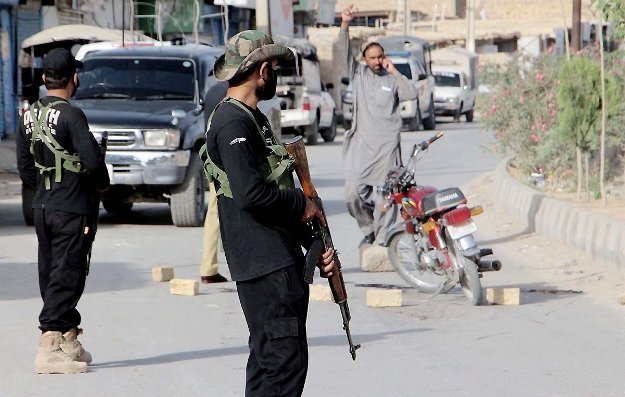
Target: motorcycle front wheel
{"points": [[469, 276], [405, 257]]}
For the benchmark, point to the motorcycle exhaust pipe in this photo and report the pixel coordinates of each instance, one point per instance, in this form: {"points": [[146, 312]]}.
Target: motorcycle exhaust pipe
{"points": [[489, 265]]}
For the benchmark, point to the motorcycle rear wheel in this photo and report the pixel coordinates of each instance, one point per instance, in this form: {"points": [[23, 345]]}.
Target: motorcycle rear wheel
{"points": [[404, 256], [469, 276]]}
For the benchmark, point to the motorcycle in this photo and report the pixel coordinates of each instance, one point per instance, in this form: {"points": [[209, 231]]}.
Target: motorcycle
{"points": [[433, 247]]}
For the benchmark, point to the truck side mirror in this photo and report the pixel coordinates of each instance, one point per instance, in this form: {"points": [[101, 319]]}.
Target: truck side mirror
{"points": [[345, 80]]}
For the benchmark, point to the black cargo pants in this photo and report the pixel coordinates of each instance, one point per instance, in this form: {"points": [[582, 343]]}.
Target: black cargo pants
{"points": [[275, 308], [63, 250]]}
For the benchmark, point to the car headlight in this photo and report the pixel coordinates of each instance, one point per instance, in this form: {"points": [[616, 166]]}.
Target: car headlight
{"points": [[452, 100], [347, 97], [169, 138]]}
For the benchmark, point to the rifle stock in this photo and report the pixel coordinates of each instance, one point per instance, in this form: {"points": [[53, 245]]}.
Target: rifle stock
{"points": [[297, 151]]}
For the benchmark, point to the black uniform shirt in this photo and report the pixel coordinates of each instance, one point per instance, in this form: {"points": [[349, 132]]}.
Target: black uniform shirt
{"points": [[69, 126], [260, 226]]}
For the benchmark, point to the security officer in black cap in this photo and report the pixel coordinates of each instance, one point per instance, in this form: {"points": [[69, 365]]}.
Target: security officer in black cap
{"points": [[60, 160]]}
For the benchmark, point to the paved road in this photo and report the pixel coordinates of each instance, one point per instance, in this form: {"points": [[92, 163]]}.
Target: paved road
{"points": [[147, 342]]}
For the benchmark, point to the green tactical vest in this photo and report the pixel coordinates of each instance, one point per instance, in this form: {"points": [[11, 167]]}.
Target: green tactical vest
{"points": [[62, 158], [276, 168]]}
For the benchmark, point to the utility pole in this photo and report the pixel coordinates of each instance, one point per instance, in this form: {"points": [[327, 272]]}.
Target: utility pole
{"points": [[470, 44], [407, 18], [576, 28], [263, 20]]}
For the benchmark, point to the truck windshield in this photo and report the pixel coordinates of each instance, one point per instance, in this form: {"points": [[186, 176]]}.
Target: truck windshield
{"points": [[447, 79], [137, 78], [404, 68]]}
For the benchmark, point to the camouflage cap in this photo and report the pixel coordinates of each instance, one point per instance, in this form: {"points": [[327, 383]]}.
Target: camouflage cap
{"points": [[246, 49]]}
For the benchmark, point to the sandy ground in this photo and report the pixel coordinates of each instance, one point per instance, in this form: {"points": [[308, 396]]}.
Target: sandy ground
{"points": [[552, 263]]}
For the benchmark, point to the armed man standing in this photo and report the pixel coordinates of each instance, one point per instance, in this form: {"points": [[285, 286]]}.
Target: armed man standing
{"points": [[262, 217], [371, 148], [60, 160]]}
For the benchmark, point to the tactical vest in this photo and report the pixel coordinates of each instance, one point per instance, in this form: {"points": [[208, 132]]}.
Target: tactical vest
{"points": [[276, 168], [62, 158]]}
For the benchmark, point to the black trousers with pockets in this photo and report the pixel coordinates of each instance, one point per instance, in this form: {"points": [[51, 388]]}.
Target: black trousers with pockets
{"points": [[275, 308], [63, 250]]}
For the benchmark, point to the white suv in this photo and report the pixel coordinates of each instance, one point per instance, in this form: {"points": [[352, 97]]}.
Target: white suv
{"points": [[413, 112]]}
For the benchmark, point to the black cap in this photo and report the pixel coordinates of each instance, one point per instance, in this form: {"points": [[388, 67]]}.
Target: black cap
{"points": [[59, 63]]}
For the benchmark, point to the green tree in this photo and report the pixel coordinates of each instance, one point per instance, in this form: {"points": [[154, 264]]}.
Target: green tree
{"points": [[579, 101]]}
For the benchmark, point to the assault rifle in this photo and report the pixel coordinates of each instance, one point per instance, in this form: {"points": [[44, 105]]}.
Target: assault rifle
{"points": [[322, 238], [95, 208]]}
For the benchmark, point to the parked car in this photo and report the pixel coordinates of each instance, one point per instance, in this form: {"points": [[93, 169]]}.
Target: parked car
{"points": [[413, 112], [308, 109], [455, 72], [453, 95]]}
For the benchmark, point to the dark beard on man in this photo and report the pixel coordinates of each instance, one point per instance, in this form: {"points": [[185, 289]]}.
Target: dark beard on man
{"points": [[268, 90]]}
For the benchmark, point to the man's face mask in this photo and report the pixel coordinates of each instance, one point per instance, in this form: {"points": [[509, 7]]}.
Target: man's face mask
{"points": [[268, 90]]}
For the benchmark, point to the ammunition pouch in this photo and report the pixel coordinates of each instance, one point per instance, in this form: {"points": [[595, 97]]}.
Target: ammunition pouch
{"points": [[62, 158], [276, 168]]}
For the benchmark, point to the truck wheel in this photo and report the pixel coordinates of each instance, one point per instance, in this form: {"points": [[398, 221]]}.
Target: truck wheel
{"points": [[429, 123], [328, 134], [311, 132], [469, 116], [116, 206], [457, 114], [415, 122], [188, 203], [27, 205]]}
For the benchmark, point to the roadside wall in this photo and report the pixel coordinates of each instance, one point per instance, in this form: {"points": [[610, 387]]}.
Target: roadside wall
{"points": [[597, 235]]}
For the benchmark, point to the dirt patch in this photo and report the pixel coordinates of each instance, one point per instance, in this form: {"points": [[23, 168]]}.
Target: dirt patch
{"points": [[614, 206], [546, 262]]}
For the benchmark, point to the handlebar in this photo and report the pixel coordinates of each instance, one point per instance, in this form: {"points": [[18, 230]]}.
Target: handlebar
{"points": [[425, 144]]}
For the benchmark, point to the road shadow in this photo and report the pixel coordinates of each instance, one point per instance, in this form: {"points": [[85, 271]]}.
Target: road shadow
{"points": [[20, 280], [141, 214], [11, 218], [331, 340]]}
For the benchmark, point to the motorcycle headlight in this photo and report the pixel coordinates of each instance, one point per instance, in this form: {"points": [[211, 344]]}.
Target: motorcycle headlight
{"points": [[167, 138]]}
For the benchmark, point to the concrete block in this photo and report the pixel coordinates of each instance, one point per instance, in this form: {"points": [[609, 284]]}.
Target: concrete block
{"points": [[179, 286], [374, 258], [384, 297], [160, 274], [320, 293], [503, 296]]}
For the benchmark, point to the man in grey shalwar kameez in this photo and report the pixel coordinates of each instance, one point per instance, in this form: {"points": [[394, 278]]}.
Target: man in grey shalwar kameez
{"points": [[371, 146]]}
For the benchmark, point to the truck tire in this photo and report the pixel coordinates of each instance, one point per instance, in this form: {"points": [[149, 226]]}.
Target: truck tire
{"points": [[27, 205], [311, 132], [457, 114], [116, 206], [328, 134], [188, 202], [429, 123], [415, 122], [469, 116]]}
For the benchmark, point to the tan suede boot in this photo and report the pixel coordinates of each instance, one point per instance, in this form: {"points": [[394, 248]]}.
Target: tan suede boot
{"points": [[52, 360], [72, 347]]}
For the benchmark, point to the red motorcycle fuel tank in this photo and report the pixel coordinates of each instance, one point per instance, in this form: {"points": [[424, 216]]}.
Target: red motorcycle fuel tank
{"points": [[411, 202]]}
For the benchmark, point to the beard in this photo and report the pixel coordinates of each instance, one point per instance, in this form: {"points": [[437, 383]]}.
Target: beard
{"points": [[268, 90]]}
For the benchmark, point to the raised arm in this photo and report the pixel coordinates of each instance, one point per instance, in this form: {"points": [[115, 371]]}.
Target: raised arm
{"points": [[344, 44]]}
